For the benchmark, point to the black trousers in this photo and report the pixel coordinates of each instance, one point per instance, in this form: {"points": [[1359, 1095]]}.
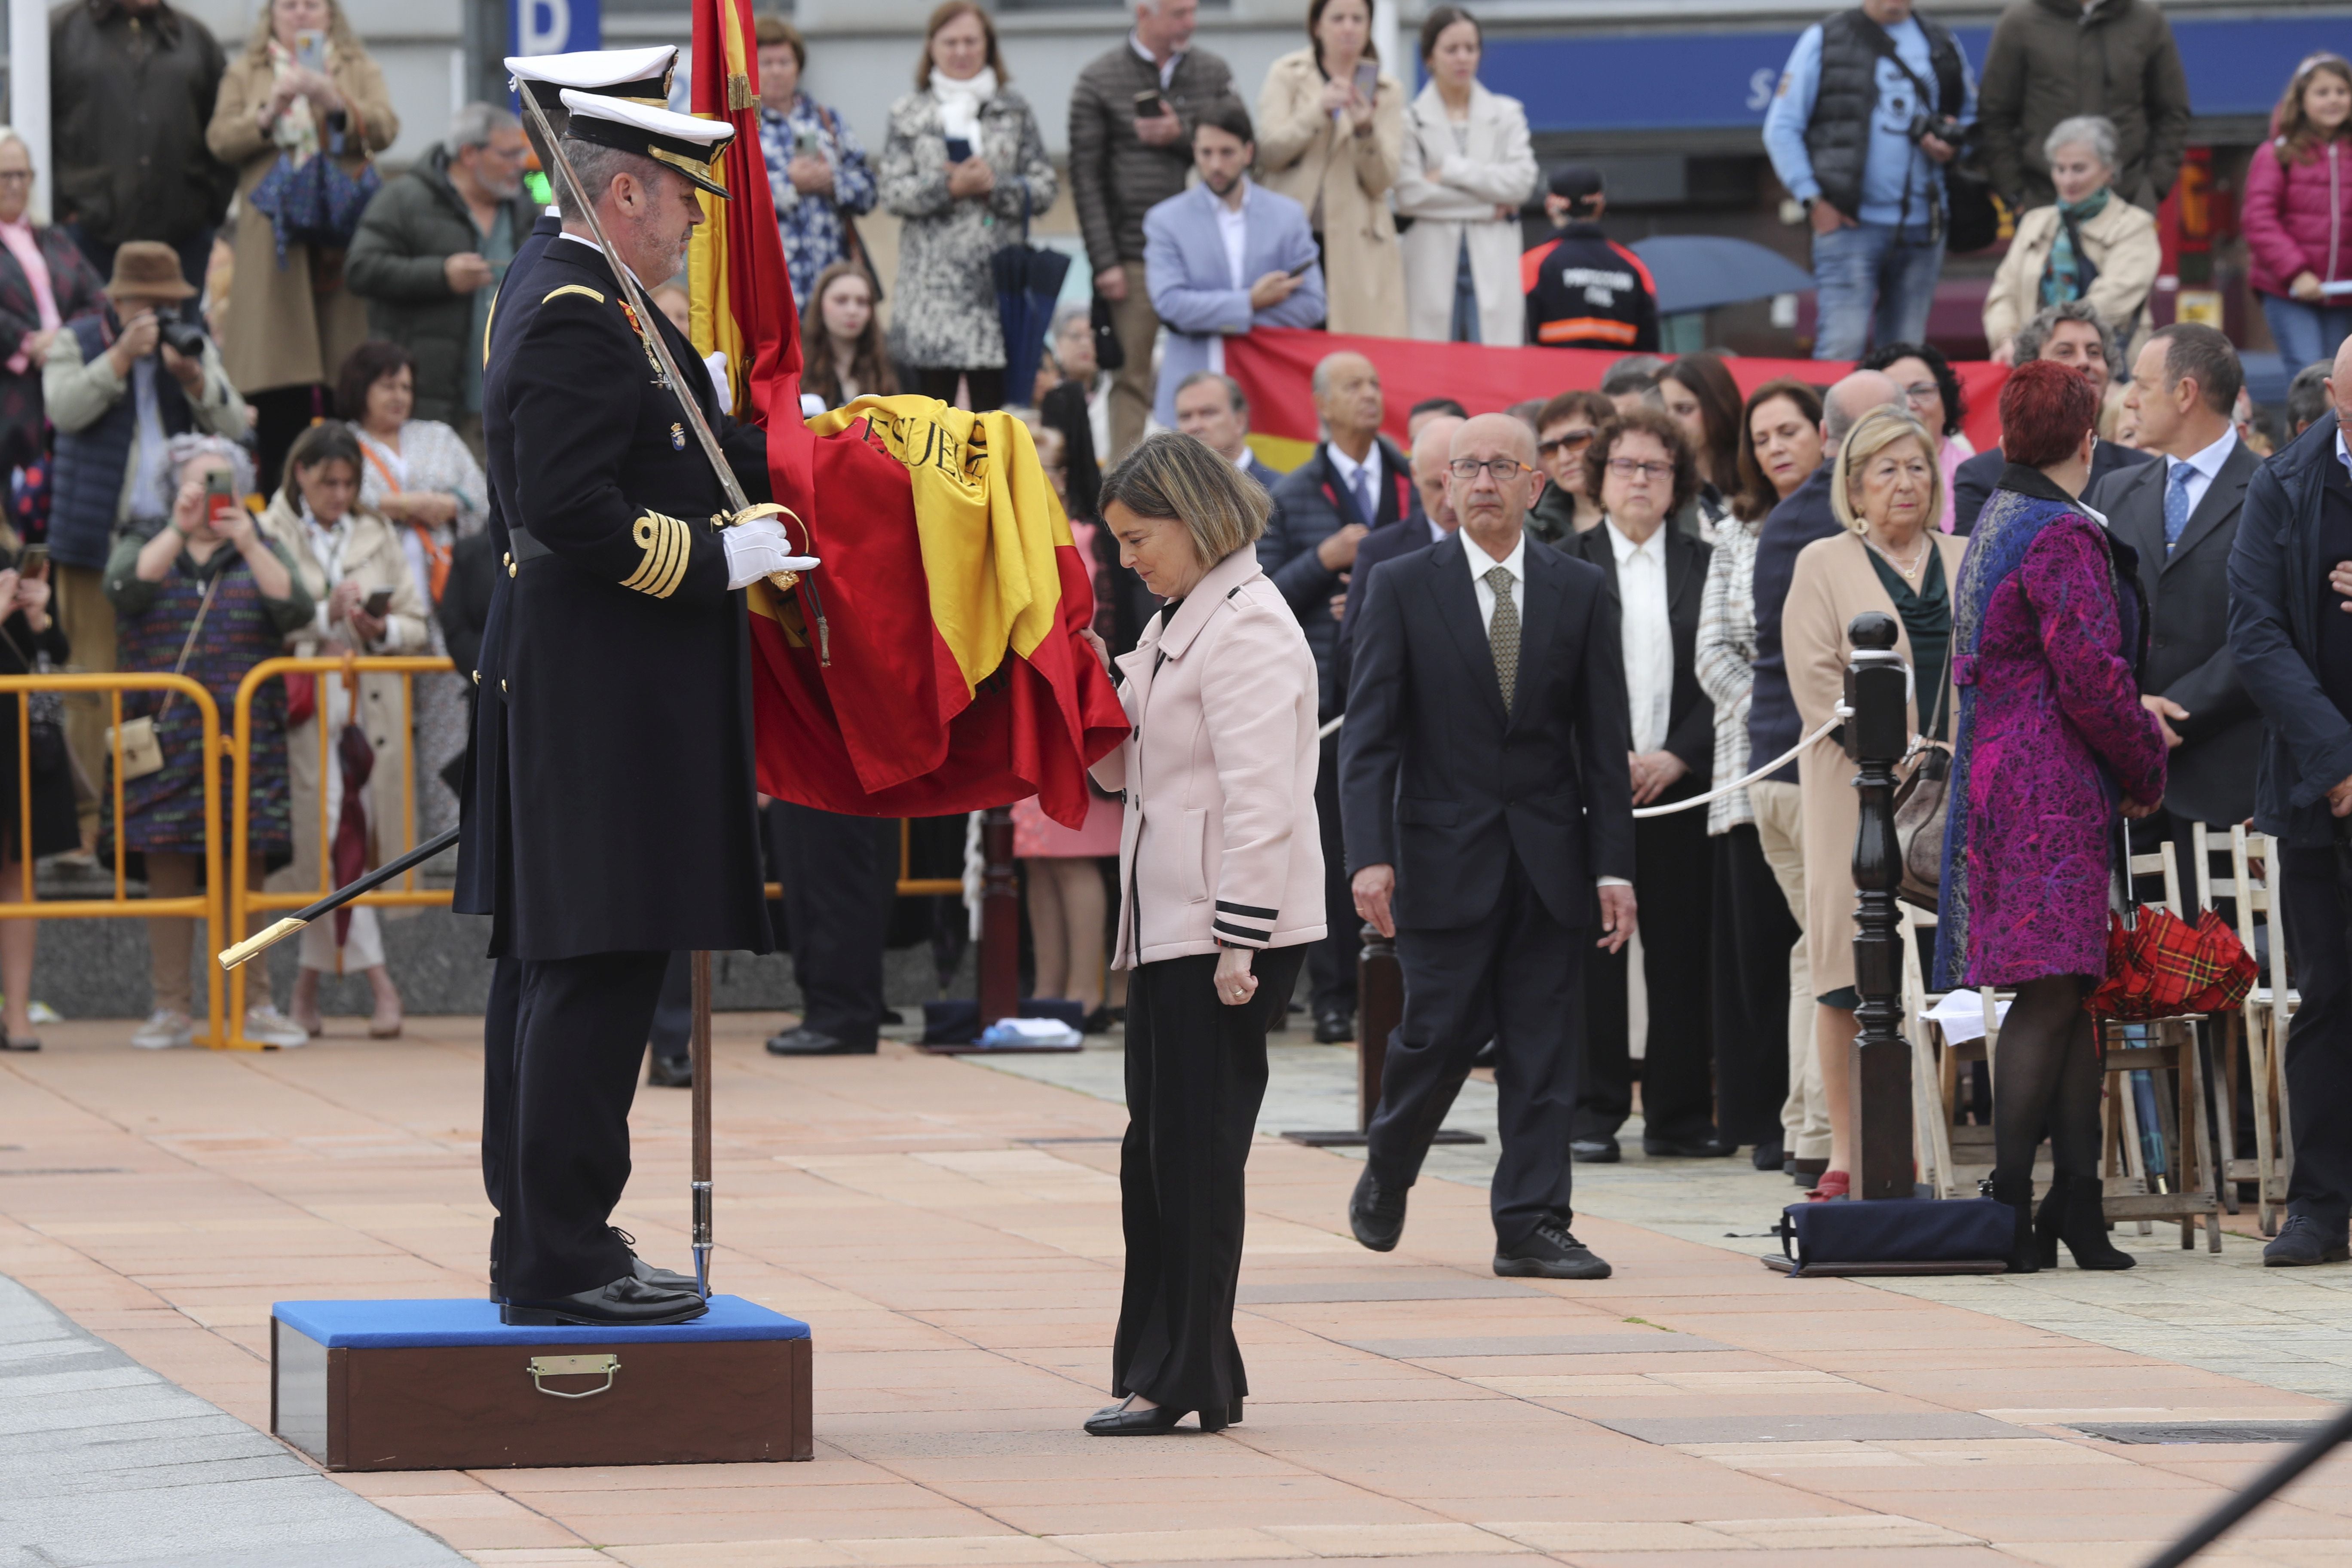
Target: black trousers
{"points": [[1753, 934], [986, 385], [672, 1037], [563, 1040], [2317, 893], [1514, 978], [1196, 1078], [1331, 962], [839, 875], [1672, 885]]}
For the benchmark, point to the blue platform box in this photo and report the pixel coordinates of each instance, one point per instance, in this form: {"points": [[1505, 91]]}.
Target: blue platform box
{"points": [[444, 1386]]}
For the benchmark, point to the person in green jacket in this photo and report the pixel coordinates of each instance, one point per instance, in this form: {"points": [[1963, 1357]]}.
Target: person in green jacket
{"points": [[430, 251]]}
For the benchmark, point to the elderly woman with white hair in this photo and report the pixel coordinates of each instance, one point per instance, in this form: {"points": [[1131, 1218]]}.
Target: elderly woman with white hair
{"points": [[2091, 245], [209, 596]]}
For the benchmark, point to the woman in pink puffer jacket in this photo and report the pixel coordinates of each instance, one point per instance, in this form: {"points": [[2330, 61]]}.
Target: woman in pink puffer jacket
{"points": [[2298, 213]]}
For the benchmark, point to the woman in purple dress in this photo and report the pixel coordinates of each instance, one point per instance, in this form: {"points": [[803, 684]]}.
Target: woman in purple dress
{"points": [[2052, 740]]}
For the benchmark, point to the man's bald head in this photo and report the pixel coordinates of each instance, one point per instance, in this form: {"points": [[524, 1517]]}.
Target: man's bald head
{"points": [[2339, 388], [1852, 398], [1493, 509], [1432, 450]]}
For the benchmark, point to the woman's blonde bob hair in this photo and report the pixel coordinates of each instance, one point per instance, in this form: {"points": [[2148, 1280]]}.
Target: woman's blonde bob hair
{"points": [[1175, 476], [1873, 434]]}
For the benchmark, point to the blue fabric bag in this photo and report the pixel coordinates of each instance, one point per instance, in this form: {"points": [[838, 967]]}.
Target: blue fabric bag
{"points": [[316, 203], [1895, 1236]]}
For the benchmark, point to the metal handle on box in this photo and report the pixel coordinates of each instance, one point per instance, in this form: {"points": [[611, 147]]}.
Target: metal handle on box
{"points": [[573, 1366]]}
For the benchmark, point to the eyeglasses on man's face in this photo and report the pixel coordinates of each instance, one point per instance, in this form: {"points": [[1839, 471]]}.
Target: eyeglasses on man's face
{"points": [[1504, 469], [1634, 468], [16, 176]]}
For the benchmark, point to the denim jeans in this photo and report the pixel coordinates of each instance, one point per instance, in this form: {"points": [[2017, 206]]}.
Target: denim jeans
{"points": [[1876, 282], [2305, 334]]}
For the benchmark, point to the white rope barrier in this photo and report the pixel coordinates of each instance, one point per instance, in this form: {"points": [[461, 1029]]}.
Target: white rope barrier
{"points": [[1767, 771]]}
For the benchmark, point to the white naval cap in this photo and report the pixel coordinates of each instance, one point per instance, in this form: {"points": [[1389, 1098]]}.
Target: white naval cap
{"points": [[639, 76], [686, 142]]}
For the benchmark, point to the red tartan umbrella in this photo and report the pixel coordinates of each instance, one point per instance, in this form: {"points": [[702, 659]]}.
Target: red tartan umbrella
{"points": [[2160, 966]]}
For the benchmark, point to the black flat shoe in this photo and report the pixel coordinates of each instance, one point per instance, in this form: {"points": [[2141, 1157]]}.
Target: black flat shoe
{"points": [[627, 1302], [1769, 1156], [1595, 1150], [1098, 1022], [1122, 1421], [1687, 1147], [1333, 1027], [670, 1072], [1375, 1213], [805, 1042]]}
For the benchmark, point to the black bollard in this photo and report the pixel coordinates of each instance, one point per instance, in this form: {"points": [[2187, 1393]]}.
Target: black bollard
{"points": [[1877, 737], [1380, 1008]]}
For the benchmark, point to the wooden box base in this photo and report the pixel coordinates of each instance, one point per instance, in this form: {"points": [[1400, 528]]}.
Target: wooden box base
{"points": [[444, 1386]]}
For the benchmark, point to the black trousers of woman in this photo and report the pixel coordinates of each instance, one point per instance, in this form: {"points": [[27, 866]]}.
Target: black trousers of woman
{"points": [[986, 385], [1195, 1079], [1753, 934], [2046, 1079]]}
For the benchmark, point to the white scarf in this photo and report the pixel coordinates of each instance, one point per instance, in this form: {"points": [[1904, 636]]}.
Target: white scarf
{"points": [[960, 102]]}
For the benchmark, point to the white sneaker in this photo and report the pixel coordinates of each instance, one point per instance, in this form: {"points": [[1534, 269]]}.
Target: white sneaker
{"points": [[166, 1030], [266, 1025]]}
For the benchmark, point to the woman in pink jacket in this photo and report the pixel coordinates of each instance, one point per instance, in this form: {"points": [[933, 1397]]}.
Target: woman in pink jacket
{"points": [[1221, 877], [2298, 213]]}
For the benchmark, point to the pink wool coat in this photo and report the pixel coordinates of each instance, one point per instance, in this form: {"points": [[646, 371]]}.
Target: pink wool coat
{"points": [[2299, 218], [1219, 841]]}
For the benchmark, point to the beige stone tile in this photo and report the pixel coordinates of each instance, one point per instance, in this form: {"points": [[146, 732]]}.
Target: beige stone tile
{"points": [[1837, 1532], [1182, 1546], [788, 1553], [1391, 1539], [1632, 1535], [953, 1550]]}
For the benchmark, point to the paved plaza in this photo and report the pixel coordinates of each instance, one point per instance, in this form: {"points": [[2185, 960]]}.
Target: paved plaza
{"points": [[949, 1227]]}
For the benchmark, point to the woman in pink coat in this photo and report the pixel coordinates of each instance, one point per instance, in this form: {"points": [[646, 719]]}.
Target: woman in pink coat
{"points": [[2298, 213], [1220, 878]]}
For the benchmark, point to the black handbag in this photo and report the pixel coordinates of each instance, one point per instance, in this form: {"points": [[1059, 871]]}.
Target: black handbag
{"points": [[1896, 1235], [1108, 353]]}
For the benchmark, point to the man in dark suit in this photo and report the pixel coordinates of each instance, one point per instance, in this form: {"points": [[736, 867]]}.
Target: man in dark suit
{"points": [[2291, 638], [1488, 809], [2069, 334], [1656, 573], [2181, 518], [1212, 408], [1432, 456], [1354, 484]]}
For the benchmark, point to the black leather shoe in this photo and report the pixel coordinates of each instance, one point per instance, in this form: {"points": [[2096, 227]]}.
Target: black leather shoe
{"points": [[807, 1042], [1376, 1213], [1687, 1147], [1551, 1253], [627, 1302], [670, 1072], [667, 1279], [1805, 1172], [1489, 1055], [1122, 1421], [2302, 1242], [1595, 1150], [1332, 1028], [1771, 1156]]}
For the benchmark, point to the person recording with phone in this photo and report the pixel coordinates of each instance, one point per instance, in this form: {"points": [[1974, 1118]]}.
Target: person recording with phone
{"points": [[1331, 137], [817, 171], [209, 594], [356, 569], [119, 386]]}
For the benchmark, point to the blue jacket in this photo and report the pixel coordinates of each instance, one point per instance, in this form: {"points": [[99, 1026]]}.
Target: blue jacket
{"points": [[1310, 506], [2278, 589], [1773, 725], [1190, 279], [1893, 163]]}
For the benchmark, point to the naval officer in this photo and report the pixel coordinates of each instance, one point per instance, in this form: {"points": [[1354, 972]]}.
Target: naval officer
{"points": [[615, 821]]}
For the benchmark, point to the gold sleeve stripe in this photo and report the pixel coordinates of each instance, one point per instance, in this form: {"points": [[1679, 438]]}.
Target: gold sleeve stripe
{"points": [[667, 545], [575, 288], [490, 320]]}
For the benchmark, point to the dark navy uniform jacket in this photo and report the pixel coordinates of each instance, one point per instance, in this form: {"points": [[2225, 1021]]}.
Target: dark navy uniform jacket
{"points": [[610, 786]]}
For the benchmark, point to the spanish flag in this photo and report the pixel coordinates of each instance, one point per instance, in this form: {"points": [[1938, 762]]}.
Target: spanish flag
{"points": [[954, 676]]}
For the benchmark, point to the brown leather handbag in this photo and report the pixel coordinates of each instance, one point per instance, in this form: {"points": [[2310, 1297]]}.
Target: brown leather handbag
{"points": [[1922, 802]]}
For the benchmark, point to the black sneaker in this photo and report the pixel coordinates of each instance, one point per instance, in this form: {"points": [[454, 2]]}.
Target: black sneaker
{"points": [[1375, 1213], [1551, 1253], [2303, 1242]]}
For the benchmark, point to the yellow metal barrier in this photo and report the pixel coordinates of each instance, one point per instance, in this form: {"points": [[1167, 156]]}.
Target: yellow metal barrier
{"points": [[242, 902], [206, 906]]}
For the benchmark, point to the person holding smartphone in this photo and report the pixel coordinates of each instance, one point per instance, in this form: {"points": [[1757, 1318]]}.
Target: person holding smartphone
{"points": [[817, 171], [356, 569], [1330, 136]]}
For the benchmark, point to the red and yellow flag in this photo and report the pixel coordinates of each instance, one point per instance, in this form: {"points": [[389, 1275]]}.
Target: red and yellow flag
{"points": [[951, 590]]}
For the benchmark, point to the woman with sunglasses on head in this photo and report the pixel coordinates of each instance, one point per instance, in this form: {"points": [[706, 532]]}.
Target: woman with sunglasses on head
{"points": [[1564, 430]]}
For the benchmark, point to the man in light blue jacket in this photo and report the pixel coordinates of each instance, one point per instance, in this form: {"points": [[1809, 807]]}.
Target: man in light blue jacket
{"points": [[1225, 256], [1868, 112]]}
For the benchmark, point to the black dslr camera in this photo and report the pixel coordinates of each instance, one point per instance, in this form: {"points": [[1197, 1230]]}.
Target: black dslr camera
{"points": [[1942, 126], [185, 334]]}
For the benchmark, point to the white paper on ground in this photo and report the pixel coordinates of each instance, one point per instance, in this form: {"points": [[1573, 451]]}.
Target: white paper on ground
{"points": [[1961, 1016]]}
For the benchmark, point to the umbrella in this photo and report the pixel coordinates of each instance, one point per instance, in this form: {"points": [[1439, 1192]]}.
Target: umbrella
{"points": [[1028, 280], [1700, 271]]}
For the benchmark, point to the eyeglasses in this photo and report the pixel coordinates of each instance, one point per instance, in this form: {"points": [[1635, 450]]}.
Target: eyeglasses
{"points": [[16, 176], [1629, 468], [1504, 469], [1572, 440], [1922, 391]]}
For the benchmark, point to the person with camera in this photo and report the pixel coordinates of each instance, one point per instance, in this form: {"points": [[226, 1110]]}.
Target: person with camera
{"points": [[817, 172], [117, 386], [1873, 104]]}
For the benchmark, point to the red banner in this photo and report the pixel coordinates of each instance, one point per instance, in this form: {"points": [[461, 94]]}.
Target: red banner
{"points": [[1275, 366]]}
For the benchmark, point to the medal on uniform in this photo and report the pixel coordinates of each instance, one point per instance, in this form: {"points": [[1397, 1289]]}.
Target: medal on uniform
{"points": [[678, 437]]}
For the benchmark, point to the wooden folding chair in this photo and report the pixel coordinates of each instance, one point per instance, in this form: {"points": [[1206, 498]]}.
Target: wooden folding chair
{"points": [[2189, 1189], [2269, 1007], [1934, 1074]]}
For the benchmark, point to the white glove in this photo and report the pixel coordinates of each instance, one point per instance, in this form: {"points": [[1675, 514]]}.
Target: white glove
{"points": [[756, 548]]}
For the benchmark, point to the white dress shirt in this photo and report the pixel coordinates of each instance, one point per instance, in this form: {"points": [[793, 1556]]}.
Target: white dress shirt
{"points": [[1647, 632], [1347, 469], [2203, 468], [1232, 230], [1475, 556]]}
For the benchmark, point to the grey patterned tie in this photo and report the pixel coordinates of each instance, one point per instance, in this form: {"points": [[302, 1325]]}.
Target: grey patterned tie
{"points": [[1503, 634]]}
